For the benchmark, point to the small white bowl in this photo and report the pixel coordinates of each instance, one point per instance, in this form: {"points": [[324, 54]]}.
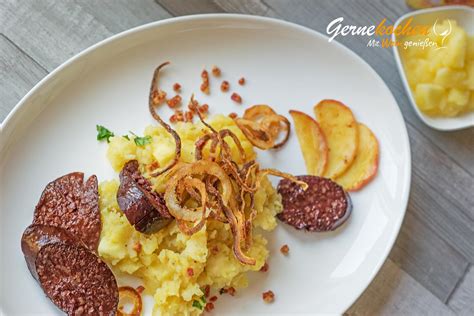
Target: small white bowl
{"points": [[465, 18]]}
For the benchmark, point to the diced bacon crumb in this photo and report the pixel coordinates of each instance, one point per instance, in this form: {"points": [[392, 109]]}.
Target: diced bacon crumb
{"points": [[216, 71], [209, 307], [236, 98], [207, 290], [205, 82], [174, 101], [137, 247], [178, 116], [230, 290], [158, 97], [233, 115], [225, 86], [214, 249], [154, 165], [190, 272], [203, 108], [268, 296], [213, 299], [264, 268], [284, 249], [177, 87], [242, 81], [140, 289], [193, 105], [188, 116]]}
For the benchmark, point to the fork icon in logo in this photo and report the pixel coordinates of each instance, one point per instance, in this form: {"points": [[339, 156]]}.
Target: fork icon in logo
{"points": [[444, 33]]}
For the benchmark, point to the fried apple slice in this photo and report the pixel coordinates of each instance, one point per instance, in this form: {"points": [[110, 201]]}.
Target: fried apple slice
{"points": [[312, 142], [365, 165], [340, 128]]}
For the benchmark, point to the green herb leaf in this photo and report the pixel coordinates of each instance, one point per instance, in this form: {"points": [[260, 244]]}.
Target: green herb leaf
{"points": [[197, 304], [103, 133], [142, 141], [126, 137], [203, 299]]}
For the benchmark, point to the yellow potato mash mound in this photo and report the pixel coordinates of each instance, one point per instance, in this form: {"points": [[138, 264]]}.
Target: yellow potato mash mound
{"points": [[163, 260]]}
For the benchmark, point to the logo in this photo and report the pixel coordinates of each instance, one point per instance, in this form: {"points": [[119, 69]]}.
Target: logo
{"points": [[380, 35]]}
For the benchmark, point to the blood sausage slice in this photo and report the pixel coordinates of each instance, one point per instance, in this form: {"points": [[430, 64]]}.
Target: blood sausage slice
{"points": [[37, 236], [324, 206], [67, 203], [76, 280], [144, 208]]}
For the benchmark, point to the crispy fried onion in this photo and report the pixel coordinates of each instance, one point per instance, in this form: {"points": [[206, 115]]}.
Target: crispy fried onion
{"points": [[129, 295], [262, 125], [216, 186], [153, 101]]}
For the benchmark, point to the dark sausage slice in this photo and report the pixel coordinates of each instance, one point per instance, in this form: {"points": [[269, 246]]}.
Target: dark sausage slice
{"points": [[76, 280], [67, 203], [37, 236], [324, 206], [144, 208]]}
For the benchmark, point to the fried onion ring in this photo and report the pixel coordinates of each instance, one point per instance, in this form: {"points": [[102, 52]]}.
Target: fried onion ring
{"points": [[154, 114], [125, 293], [262, 125]]}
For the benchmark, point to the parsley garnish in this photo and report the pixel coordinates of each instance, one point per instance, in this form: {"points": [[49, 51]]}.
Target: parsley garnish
{"points": [[197, 304], [103, 133], [126, 137], [141, 141]]}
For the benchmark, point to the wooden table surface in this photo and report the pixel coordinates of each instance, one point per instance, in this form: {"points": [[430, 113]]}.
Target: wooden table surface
{"points": [[430, 269]]}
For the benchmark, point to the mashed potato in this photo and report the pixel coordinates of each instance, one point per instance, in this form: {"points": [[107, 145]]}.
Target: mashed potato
{"points": [[164, 260]]}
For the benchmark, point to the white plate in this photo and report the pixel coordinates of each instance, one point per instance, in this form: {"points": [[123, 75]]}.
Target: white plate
{"points": [[52, 132], [465, 17]]}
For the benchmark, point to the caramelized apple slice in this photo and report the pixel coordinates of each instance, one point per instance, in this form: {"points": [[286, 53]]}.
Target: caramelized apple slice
{"points": [[365, 165], [312, 142], [340, 129]]}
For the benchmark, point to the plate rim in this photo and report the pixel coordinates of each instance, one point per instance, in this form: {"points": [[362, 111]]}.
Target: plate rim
{"points": [[406, 187]]}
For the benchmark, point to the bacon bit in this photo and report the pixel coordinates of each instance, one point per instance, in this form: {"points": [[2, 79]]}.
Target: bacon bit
{"points": [[213, 299], [214, 250], [233, 115], [137, 247], [190, 272], [174, 101], [205, 81], [284, 249], [264, 268], [236, 98], [178, 116], [216, 71], [225, 86], [188, 116], [203, 108], [193, 105], [153, 166], [209, 307], [242, 81], [177, 87], [230, 290], [207, 290], [158, 97], [268, 296], [140, 289]]}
